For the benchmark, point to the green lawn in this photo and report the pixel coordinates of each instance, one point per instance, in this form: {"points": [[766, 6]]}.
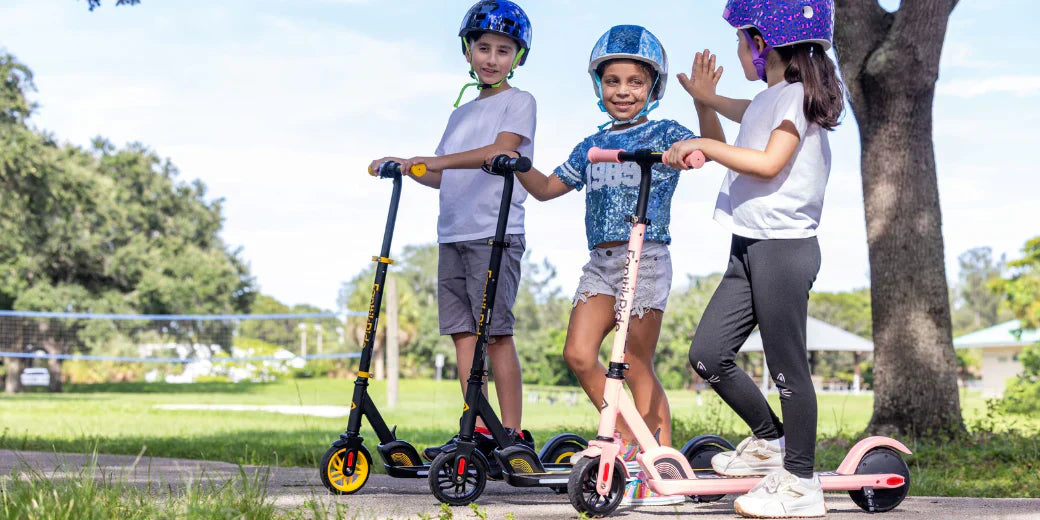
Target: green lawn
{"points": [[122, 418]]}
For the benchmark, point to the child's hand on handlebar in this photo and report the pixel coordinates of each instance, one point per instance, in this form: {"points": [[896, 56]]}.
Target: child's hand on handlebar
{"points": [[491, 156], [373, 167], [675, 157]]}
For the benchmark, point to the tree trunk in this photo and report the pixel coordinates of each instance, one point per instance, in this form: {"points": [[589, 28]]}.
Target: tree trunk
{"points": [[890, 64], [13, 380], [52, 344]]}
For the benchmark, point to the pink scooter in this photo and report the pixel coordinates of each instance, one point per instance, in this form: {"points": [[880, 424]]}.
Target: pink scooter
{"points": [[874, 473]]}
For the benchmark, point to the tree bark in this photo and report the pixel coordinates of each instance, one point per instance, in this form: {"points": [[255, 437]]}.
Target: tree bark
{"points": [[52, 344], [13, 381], [890, 63]]}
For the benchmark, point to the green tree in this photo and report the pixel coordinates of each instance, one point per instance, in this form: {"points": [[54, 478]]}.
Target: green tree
{"points": [[1022, 293], [1022, 287], [976, 305], [94, 4], [103, 230], [681, 317], [418, 331], [542, 313]]}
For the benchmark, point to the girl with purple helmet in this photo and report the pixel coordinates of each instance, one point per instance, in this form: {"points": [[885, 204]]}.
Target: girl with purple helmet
{"points": [[771, 200]]}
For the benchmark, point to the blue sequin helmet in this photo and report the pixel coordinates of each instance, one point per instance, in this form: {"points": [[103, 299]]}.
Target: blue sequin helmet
{"points": [[630, 42], [502, 17], [784, 22]]}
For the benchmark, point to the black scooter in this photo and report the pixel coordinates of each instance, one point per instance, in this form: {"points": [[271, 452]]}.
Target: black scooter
{"points": [[345, 467]]}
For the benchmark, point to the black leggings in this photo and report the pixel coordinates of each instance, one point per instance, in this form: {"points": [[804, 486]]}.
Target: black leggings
{"points": [[767, 284]]}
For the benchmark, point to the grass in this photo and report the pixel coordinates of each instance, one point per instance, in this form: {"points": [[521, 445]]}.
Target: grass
{"points": [[122, 419], [90, 494]]}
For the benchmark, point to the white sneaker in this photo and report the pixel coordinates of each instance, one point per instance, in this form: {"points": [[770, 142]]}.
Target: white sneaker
{"points": [[638, 493], [753, 456], [782, 495]]}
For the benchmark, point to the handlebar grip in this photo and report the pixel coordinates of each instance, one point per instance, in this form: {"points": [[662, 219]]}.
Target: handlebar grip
{"points": [[599, 155], [695, 159], [391, 168], [506, 165]]}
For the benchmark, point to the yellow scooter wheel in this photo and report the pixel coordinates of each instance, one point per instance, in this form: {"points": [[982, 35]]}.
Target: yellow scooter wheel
{"points": [[335, 473]]}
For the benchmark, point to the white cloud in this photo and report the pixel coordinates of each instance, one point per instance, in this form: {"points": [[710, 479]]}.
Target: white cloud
{"points": [[975, 87]]}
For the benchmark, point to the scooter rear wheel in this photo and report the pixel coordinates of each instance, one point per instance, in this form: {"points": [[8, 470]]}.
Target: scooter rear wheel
{"points": [[876, 461], [581, 488], [334, 474], [561, 454], [700, 460], [454, 487]]}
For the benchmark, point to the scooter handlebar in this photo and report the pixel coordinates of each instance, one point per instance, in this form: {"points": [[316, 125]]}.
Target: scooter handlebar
{"points": [[504, 164], [598, 155], [390, 168]]}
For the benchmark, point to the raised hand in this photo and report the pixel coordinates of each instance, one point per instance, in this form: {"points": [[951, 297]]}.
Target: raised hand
{"points": [[703, 78]]}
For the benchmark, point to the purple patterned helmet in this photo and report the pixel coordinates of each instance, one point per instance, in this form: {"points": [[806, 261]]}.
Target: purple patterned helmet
{"points": [[784, 22]]}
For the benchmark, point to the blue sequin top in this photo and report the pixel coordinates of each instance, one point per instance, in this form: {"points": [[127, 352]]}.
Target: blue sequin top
{"points": [[613, 188]]}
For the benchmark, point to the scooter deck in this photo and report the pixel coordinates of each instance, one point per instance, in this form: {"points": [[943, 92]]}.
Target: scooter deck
{"points": [[553, 476], [715, 484]]}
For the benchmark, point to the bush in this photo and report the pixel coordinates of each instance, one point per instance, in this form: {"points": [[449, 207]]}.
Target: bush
{"points": [[1023, 393]]}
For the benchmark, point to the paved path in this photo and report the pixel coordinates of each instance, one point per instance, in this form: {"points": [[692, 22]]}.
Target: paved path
{"points": [[384, 497]]}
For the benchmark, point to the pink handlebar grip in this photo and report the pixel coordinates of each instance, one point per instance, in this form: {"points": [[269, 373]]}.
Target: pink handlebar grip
{"points": [[695, 159], [599, 155]]}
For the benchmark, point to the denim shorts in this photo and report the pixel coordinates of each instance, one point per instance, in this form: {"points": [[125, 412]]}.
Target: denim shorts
{"points": [[462, 273], [606, 267]]}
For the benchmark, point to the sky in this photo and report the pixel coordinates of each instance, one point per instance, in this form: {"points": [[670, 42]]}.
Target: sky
{"points": [[278, 106]]}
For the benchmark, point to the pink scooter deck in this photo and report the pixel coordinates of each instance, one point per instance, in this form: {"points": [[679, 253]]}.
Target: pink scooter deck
{"points": [[843, 479]]}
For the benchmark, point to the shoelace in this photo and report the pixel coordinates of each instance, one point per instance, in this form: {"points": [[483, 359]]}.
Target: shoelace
{"points": [[740, 450]]}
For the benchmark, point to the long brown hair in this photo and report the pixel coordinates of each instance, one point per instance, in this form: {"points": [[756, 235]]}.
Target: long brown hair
{"points": [[809, 64]]}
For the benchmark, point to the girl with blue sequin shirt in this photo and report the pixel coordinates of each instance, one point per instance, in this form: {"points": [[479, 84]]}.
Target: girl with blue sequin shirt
{"points": [[629, 71]]}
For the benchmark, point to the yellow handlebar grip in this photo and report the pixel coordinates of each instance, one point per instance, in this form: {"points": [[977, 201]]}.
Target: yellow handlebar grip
{"points": [[418, 170], [372, 172]]}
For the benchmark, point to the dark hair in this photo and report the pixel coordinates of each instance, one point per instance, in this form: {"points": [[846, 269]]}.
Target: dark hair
{"points": [[808, 64], [647, 69]]}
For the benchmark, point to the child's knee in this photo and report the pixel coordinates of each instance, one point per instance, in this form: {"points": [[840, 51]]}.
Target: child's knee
{"points": [[578, 361], [706, 362]]}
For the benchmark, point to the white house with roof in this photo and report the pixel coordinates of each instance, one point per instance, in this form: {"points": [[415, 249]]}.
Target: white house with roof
{"points": [[1001, 348]]}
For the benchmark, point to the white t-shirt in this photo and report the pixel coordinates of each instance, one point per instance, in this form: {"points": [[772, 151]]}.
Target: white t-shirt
{"points": [[470, 199], [790, 204]]}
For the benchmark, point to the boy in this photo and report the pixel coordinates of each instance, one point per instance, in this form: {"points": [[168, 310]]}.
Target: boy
{"points": [[496, 38]]}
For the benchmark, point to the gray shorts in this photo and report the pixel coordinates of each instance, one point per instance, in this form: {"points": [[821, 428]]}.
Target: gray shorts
{"points": [[462, 272], [606, 267]]}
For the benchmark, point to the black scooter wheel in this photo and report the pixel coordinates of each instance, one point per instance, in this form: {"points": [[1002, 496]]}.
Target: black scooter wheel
{"points": [[336, 476], [561, 454], [876, 461], [455, 481], [581, 488], [700, 460]]}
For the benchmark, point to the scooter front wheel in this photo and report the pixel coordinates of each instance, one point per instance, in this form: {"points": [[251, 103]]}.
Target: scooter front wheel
{"points": [[581, 488], [880, 461], [336, 475], [455, 480]]}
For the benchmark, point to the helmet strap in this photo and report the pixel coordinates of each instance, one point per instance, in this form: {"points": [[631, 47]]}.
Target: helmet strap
{"points": [[647, 107], [758, 58]]}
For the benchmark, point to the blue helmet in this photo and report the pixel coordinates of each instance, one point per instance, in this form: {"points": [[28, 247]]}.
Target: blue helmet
{"points": [[502, 17], [630, 42]]}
